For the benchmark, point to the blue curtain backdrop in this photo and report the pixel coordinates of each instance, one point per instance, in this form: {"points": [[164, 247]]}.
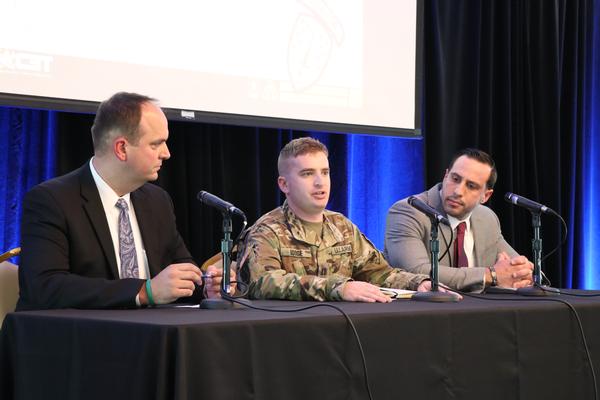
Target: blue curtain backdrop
{"points": [[380, 171], [584, 240], [27, 148], [369, 173]]}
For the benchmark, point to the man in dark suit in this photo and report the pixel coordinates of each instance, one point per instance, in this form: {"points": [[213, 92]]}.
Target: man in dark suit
{"points": [[102, 236], [483, 258]]}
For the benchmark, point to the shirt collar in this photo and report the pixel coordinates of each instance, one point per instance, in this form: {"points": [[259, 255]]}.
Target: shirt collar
{"points": [[455, 221], [331, 234], [107, 194]]}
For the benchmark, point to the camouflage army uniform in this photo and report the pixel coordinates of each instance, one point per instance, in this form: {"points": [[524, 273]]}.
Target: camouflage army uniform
{"points": [[285, 261]]}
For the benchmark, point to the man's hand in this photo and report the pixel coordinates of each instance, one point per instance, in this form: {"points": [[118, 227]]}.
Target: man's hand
{"points": [[425, 286], [513, 272], [175, 281], [214, 277], [363, 291]]}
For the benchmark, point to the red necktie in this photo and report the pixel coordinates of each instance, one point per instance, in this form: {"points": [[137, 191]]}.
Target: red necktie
{"points": [[460, 256]]}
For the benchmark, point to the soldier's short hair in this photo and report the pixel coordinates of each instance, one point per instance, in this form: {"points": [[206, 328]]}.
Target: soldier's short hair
{"points": [[298, 147], [480, 156], [121, 114]]}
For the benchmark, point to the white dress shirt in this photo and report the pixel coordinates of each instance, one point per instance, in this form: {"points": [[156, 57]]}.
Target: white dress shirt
{"points": [[469, 242], [109, 200]]}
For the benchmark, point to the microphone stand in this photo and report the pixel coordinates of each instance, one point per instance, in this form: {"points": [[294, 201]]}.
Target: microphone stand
{"points": [[434, 295], [536, 244], [226, 247]]}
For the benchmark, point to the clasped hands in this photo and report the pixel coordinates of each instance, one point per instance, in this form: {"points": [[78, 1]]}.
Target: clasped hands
{"points": [[513, 272]]}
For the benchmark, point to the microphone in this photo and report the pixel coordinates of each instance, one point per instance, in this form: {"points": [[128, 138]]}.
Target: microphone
{"points": [[528, 204], [213, 201], [428, 210]]}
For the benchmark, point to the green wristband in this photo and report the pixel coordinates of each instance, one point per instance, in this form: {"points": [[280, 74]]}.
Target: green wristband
{"points": [[149, 292]]}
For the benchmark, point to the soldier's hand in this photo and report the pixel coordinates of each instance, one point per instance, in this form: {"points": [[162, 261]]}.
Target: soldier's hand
{"points": [[363, 291]]}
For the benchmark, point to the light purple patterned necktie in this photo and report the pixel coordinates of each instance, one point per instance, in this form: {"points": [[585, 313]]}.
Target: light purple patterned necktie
{"points": [[127, 254]]}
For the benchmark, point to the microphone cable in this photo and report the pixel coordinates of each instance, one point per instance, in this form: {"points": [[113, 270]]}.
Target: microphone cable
{"points": [[236, 300], [551, 299], [576, 294], [245, 287], [447, 245], [562, 242]]}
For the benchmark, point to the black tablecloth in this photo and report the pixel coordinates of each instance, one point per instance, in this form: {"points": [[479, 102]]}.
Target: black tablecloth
{"points": [[512, 348]]}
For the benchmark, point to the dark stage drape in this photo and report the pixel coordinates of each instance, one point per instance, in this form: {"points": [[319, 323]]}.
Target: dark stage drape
{"points": [[239, 164], [519, 79]]}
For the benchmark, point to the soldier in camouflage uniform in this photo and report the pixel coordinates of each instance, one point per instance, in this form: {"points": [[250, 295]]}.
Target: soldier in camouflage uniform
{"points": [[300, 251]]}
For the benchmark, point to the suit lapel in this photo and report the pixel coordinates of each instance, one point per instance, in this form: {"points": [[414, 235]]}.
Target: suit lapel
{"points": [[143, 212], [482, 240], [95, 212], [478, 239]]}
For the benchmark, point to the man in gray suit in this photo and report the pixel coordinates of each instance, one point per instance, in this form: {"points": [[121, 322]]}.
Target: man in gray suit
{"points": [[479, 256]]}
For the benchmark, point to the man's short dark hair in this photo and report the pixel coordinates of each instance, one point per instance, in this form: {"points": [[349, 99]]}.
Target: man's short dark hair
{"points": [[121, 113], [483, 158], [299, 147]]}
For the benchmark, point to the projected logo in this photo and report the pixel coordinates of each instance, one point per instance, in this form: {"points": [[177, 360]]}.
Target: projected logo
{"points": [[311, 42], [23, 62]]}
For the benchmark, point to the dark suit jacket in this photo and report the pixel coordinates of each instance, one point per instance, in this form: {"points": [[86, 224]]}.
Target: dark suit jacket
{"points": [[408, 232], [68, 258]]}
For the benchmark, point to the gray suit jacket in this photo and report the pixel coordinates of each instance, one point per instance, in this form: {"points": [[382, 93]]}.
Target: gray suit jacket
{"points": [[407, 236]]}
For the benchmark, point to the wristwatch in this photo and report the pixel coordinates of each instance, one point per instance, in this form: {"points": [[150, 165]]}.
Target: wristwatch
{"points": [[494, 276]]}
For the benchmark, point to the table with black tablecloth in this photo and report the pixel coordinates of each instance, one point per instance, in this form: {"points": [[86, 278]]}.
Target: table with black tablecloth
{"points": [[512, 348]]}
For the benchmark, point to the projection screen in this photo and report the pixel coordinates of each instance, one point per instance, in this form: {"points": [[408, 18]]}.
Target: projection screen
{"points": [[331, 65]]}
